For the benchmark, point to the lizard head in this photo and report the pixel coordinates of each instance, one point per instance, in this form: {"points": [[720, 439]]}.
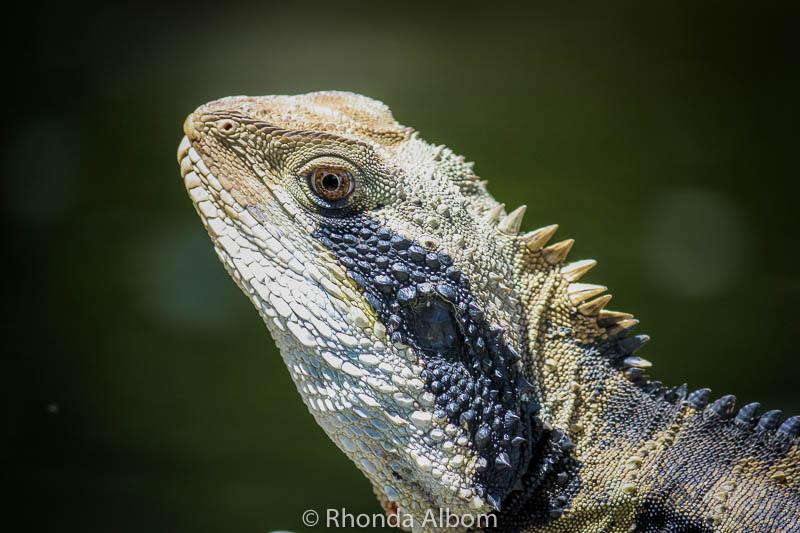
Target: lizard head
{"points": [[409, 313], [378, 262]]}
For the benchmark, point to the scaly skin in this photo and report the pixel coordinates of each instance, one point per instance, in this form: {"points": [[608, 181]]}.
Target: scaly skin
{"points": [[458, 364]]}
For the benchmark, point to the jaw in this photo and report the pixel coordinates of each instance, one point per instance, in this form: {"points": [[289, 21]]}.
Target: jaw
{"points": [[396, 444], [365, 390]]}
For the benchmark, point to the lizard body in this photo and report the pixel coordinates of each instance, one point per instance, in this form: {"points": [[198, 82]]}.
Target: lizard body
{"points": [[460, 364]]}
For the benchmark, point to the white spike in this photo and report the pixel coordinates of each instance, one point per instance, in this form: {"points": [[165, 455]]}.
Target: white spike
{"points": [[557, 252], [623, 326], [593, 307], [495, 213], [538, 238], [575, 271], [607, 318], [510, 225], [637, 362], [578, 292]]}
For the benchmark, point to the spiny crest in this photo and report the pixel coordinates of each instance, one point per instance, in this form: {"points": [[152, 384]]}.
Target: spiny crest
{"points": [[768, 424], [590, 301], [586, 298], [494, 214], [509, 224]]}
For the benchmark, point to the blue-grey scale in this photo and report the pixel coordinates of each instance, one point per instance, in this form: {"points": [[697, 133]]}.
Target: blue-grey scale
{"points": [[424, 301]]}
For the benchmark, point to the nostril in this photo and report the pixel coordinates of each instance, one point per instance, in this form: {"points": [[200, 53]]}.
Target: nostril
{"points": [[226, 126]]}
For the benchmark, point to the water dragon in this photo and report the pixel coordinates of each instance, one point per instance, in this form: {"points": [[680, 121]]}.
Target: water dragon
{"points": [[460, 364]]}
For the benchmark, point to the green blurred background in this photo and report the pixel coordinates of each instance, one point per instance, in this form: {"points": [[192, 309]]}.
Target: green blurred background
{"points": [[144, 394]]}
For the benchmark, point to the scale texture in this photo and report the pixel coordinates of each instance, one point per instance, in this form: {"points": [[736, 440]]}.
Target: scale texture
{"points": [[459, 364]]}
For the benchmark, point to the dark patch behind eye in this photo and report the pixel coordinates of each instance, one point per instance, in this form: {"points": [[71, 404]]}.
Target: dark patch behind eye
{"points": [[426, 302]]}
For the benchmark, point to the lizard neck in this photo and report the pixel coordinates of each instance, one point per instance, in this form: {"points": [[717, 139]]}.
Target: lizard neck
{"points": [[583, 374], [617, 451]]}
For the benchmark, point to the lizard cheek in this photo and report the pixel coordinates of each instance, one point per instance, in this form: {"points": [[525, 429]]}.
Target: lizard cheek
{"points": [[467, 365], [435, 328]]}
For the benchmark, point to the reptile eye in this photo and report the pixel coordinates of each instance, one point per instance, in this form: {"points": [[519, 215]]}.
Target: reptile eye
{"points": [[331, 184]]}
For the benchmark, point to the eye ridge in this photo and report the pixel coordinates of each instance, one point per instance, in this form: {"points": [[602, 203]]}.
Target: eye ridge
{"points": [[331, 184]]}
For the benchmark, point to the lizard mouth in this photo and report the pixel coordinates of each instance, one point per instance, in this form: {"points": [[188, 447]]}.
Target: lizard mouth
{"points": [[192, 167], [183, 151], [191, 161], [214, 196], [185, 145], [188, 157], [203, 187]]}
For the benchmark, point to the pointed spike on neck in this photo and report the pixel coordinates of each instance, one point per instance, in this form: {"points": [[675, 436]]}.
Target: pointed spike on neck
{"points": [[637, 362], [723, 407], [747, 413], [538, 238], [575, 270], [791, 427], [623, 327], [769, 420], [592, 308], [607, 318], [579, 292], [634, 374], [699, 398], [631, 345], [558, 252], [495, 213], [510, 224]]}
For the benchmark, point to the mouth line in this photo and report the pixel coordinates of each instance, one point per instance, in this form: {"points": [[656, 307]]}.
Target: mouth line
{"points": [[203, 187], [183, 148], [191, 161]]}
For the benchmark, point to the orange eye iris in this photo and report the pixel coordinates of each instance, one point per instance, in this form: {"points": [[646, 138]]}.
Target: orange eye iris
{"points": [[332, 184]]}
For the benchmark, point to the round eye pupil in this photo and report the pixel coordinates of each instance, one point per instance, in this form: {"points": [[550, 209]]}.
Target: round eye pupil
{"points": [[330, 182]]}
